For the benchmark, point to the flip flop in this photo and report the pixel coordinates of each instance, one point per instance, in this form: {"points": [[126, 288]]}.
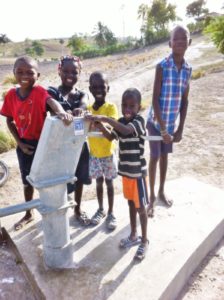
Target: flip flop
{"points": [[128, 242], [23, 222], [83, 218]]}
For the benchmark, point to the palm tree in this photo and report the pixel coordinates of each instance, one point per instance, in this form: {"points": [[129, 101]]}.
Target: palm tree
{"points": [[3, 40]]}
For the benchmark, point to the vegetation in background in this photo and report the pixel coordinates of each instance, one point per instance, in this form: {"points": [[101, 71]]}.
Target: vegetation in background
{"points": [[7, 142], [36, 49], [215, 30], [155, 20]]}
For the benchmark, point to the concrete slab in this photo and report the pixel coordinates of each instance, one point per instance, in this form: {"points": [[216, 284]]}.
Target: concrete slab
{"points": [[180, 237]]}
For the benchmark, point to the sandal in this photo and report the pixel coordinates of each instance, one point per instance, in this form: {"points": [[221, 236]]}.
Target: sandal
{"points": [[83, 218], [24, 221], [128, 242], [141, 251], [98, 216]]}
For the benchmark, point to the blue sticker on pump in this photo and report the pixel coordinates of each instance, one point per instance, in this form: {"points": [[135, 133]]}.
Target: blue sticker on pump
{"points": [[78, 127]]}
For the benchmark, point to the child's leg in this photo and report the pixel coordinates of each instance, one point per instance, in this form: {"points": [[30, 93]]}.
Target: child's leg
{"points": [[152, 179], [143, 221], [132, 216], [163, 163], [78, 196], [99, 191], [110, 194], [28, 191]]}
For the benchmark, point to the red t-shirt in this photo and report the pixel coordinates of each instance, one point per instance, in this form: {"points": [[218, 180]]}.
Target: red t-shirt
{"points": [[29, 113]]}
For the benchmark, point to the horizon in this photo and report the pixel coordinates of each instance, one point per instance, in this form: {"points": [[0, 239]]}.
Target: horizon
{"points": [[123, 22]]}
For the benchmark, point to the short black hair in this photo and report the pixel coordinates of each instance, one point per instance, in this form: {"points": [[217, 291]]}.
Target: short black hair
{"points": [[132, 93], [98, 74], [26, 59]]}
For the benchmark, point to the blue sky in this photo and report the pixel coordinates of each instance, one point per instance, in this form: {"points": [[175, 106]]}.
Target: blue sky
{"points": [[54, 19]]}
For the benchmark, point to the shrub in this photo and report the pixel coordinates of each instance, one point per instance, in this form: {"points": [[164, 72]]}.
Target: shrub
{"points": [[7, 142], [198, 74], [9, 79]]}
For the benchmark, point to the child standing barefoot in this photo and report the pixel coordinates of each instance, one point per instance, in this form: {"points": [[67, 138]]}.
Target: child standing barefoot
{"points": [[102, 164], [170, 99], [74, 100]]}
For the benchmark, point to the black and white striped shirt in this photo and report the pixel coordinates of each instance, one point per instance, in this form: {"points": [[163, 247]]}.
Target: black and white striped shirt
{"points": [[131, 149]]}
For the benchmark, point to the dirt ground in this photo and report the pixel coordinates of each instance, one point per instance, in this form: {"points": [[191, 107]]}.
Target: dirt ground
{"points": [[200, 153]]}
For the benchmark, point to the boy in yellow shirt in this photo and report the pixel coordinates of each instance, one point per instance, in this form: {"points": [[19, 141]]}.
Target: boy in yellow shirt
{"points": [[102, 160]]}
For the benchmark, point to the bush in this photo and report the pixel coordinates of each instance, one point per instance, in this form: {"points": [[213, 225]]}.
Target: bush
{"points": [[9, 79], [7, 142], [198, 74]]}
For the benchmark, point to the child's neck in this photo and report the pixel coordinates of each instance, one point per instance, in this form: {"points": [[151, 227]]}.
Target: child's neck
{"points": [[65, 89], [98, 104], [23, 93], [178, 60]]}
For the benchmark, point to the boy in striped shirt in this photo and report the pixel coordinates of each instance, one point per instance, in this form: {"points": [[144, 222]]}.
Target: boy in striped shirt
{"points": [[170, 100], [130, 131]]}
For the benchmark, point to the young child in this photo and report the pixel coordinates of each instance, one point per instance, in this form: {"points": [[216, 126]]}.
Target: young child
{"points": [[170, 100], [25, 110], [74, 100], [130, 131], [102, 164]]}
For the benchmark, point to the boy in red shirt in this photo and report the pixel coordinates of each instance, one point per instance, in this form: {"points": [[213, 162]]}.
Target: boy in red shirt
{"points": [[25, 108]]}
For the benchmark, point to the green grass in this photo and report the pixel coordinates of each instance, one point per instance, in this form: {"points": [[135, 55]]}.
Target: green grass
{"points": [[7, 142]]}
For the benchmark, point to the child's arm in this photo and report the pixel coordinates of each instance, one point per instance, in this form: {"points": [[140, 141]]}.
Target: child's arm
{"points": [[82, 106], [123, 129], [59, 111], [28, 149], [155, 102], [105, 131], [183, 112]]}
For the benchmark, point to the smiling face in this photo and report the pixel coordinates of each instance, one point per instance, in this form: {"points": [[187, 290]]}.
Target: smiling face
{"points": [[179, 40], [26, 73], [130, 107], [99, 87], [69, 73]]}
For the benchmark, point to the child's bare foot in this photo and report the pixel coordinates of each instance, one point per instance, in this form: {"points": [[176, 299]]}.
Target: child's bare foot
{"points": [[162, 197], [24, 221], [150, 209]]}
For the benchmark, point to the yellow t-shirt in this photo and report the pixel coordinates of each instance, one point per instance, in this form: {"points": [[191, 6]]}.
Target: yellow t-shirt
{"points": [[102, 147]]}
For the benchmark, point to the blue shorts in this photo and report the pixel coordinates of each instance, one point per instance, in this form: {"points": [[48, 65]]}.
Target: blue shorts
{"points": [[82, 171], [157, 148], [25, 160]]}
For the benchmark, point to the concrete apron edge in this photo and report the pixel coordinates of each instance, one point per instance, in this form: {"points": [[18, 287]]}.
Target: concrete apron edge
{"points": [[179, 281]]}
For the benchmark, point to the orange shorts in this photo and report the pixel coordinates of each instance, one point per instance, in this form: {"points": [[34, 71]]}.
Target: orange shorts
{"points": [[135, 189]]}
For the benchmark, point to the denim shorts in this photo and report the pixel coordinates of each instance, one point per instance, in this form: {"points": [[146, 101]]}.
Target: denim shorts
{"points": [[25, 160], [157, 148]]}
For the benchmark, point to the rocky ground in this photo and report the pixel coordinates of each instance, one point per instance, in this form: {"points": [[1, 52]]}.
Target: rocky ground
{"points": [[200, 154]]}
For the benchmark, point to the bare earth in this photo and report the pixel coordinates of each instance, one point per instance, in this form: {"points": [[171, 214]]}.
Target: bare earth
{"points": [[199, 155]]}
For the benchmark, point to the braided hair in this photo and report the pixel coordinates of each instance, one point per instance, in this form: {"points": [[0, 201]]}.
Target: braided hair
{"points": [[66, 58]]}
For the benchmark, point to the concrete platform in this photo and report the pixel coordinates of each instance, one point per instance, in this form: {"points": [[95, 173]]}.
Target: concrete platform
{"points": [[180, 237]]}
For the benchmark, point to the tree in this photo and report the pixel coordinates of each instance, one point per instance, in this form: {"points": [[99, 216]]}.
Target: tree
{"points": [[104, 36], [196, 9], [36, 49], [4, 40], [61, 41], [77, 43], [156, 19], [216, 31]]}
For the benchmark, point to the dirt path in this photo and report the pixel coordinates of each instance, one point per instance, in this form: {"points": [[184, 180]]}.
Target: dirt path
{"points": [[200, 154]]}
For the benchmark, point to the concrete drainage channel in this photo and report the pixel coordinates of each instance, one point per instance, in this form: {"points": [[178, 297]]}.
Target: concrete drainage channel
{"points": [[16, 278]]}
